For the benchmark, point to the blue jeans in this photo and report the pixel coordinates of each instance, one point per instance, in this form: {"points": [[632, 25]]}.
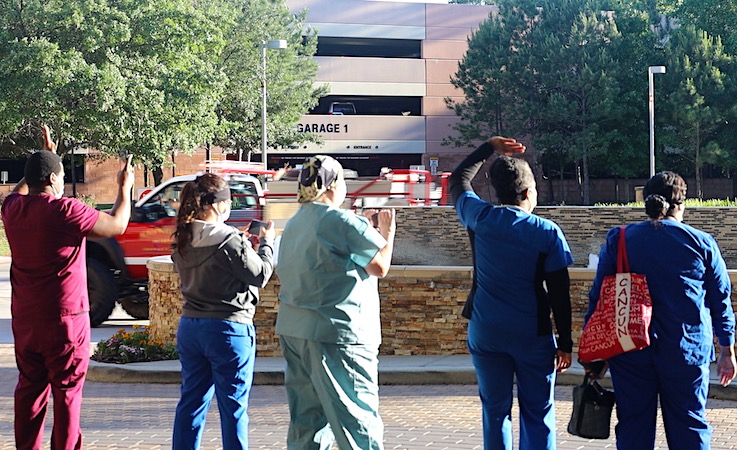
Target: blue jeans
{"points": [[217, 357]]}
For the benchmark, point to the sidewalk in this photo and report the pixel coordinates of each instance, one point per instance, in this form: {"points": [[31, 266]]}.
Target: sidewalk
{"points": [[393, 370]]}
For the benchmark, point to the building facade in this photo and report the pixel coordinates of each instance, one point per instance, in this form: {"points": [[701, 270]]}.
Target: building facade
{"points": [[387, 66]]}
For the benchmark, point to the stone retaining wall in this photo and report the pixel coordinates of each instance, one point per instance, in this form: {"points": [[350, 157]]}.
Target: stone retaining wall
{"points": [[420, 311], [433, 235]]}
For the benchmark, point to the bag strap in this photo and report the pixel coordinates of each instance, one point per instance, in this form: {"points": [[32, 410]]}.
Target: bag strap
{"points": [[623, 265]]}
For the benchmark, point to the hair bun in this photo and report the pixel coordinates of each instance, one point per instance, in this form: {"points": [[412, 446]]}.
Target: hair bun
{"points": [[656, 206]]}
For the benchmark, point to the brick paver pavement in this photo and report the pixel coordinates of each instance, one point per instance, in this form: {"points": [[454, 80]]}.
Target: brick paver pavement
{"points": [[139, 416]]}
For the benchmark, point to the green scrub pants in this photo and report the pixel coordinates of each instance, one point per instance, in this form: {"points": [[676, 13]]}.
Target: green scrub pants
{"points": [[333, 395]]}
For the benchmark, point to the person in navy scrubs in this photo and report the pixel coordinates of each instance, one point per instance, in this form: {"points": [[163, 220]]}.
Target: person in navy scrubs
{"points": [[510, 334], [690, 290]]}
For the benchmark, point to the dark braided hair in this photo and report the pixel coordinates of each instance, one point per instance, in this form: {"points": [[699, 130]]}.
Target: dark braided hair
{"points": [[196, 198], [663, 192], [510, 178]]}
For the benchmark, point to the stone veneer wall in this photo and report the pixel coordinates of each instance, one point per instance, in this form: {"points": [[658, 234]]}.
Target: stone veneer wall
{"points": [[420, 308], [433, 235]]}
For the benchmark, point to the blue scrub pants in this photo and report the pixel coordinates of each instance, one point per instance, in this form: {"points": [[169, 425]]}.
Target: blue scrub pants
{"points": [[639, 378], [217, 357], [333, 394], [532, 362]]}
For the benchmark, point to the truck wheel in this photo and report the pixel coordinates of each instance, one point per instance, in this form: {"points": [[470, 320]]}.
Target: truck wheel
{"points": [[136, 306], [102, 291]]}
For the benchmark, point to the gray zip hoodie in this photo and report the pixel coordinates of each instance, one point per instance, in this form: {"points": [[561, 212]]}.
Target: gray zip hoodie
{"points": [[220, 273]]}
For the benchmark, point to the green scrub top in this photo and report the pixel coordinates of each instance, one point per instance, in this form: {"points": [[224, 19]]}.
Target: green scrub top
{"points": [[326, 294]]}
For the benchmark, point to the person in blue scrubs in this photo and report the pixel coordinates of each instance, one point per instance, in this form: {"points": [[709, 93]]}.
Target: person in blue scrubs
{"points": [[510, 334], [329, 263], [690, 289]]}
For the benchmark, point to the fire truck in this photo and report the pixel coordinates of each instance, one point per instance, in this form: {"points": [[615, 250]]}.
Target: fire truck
{"points": [[116, 267]]}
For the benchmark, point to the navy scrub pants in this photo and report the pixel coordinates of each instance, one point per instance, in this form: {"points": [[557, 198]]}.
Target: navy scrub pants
{"points": [[532, 362], [639, 379], [217, 357]]}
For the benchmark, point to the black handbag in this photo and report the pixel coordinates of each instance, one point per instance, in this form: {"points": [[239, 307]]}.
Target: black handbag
{"points": [[592, 410]]}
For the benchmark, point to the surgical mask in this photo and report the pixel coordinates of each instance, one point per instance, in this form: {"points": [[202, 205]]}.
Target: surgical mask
{"points": [[222, 217], [57, 194]]}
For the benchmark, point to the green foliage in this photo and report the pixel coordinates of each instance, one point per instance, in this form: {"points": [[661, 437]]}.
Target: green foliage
{"points": [[698, 100], [137, 346], [690, 203], [289, 74], [4, 247], [133, 76], [559, 72], [149, 78], [87, 199], [716, 17]]}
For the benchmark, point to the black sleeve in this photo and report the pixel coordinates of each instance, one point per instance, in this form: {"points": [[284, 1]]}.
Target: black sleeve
{"points": [[558, 284], [460, 180]]}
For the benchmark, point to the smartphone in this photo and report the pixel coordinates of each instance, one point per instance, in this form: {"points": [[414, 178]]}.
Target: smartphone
{"points": [[255, 227]]}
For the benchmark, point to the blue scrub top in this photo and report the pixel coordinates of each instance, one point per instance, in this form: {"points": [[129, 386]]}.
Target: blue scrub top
{"points": [[688, 283], [508, 243]]}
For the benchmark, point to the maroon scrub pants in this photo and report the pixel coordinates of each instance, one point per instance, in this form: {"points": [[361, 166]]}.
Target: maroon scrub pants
{"points": [[52, 357]]}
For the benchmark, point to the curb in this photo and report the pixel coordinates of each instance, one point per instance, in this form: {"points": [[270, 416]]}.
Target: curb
{"points": [[146, 374], [140, 373], [136, 373]]}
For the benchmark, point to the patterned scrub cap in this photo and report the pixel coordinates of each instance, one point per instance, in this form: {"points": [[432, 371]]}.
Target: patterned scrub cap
{"points": [[319, 173]]}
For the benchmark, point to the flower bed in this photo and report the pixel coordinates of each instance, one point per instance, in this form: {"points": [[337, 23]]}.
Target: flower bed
{"points": [[136, 346]]}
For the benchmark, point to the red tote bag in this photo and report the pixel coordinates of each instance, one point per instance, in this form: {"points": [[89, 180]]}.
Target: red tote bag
{"points": [[621, 321]]}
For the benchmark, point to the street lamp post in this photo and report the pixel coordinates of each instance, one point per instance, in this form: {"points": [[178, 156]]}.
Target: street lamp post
{"points": [[277, 44], [651, 109]]}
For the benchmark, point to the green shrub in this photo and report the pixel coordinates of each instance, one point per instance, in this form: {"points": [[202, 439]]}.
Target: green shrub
{"points": [[137, 346], [690, 203], [87, 199]]}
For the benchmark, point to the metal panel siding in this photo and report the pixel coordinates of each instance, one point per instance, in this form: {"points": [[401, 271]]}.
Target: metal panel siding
{"points": [[456, 16], [361, 12], [443, 90], [354, 30], [440, 71], [376, 70], [438, 127], [443, 49], [435, 106]]}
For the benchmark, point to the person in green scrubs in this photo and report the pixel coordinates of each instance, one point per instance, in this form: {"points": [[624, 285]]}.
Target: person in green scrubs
{"points": [[328, 322]]}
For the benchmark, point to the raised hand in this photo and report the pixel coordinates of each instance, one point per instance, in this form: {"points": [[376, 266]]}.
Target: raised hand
{"points": [[49, 143], [126, 175], [506, 146]]}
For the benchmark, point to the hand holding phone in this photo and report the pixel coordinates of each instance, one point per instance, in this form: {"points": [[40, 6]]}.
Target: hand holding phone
{"points": [[255, 227], [126, 175]]}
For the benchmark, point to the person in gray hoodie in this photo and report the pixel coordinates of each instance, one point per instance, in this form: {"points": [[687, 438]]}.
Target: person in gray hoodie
{"points": [[220, 275]]}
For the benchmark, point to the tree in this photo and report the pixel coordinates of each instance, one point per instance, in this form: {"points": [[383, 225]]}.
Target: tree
{"points": [[116, 76], [484, 77], [697, 86], [560, 73], [716, 17], [150, 77], [289, 76]]}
